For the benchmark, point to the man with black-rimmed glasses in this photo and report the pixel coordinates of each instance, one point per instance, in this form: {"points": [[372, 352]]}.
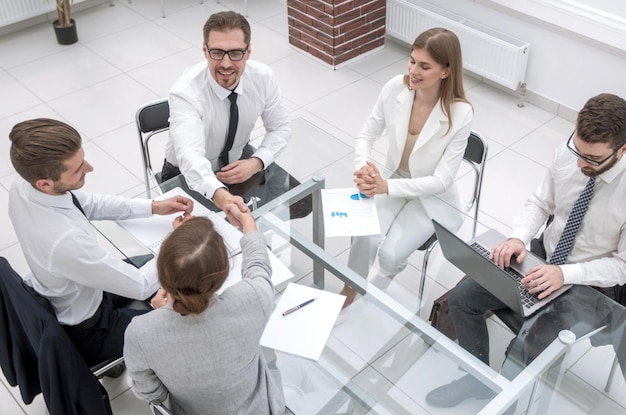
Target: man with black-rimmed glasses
{"points": [[584, 243], [213, 109]]}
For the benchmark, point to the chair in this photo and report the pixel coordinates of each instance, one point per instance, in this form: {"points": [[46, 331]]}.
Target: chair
{"points": [[37, 354], [159, 409], [151, 119], [475, 156]]}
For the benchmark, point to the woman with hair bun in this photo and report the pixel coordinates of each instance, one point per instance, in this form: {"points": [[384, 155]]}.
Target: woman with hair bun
{"points": [[201, 348]]}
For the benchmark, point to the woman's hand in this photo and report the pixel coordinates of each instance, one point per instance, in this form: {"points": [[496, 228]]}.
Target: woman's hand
{"points": [[243, 220], [160, 299], [179, 220], [369, 180]]}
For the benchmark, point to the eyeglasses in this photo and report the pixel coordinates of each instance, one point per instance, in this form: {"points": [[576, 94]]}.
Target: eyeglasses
{"points": [[572, 148], [234, 55]]}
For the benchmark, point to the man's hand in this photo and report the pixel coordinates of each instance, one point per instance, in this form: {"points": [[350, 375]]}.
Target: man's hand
{"points": [[502, 253], [239, 171], [160, 299], [369, 180], [223, 198], [243, 220], [543, 280], [172, 205]]}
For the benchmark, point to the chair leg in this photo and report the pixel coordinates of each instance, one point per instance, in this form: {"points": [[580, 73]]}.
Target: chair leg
{"points": [[420, 296], [163, 8], [607, 388]]}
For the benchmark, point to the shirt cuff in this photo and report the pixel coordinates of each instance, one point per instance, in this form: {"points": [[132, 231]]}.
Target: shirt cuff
{"points": [[522, 235], [141, 207], [573, 274], [265, 156]]}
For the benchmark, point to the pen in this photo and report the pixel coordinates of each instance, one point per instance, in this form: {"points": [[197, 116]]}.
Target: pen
{"points": [[298, 307]]}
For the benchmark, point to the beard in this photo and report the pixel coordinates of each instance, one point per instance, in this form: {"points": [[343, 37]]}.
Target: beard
{"points": [[595, 172]]}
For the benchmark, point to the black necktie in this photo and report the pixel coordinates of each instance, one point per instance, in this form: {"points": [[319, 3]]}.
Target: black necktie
{"points": [[232, 127], [564, 246], [77, 204]]}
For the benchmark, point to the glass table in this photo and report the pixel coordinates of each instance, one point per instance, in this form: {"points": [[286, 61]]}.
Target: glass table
{"points": [[383, 358]]}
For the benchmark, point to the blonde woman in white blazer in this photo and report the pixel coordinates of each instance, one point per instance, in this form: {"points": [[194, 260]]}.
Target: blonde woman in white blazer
{"points": [[427, 121]]}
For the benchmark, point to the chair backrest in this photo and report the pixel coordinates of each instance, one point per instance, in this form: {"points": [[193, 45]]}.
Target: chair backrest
{"points": [[475, 156], [151, 119]]}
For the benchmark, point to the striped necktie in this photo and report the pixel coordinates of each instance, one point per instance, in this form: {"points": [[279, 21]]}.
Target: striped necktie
{"points": [[564, 246]]}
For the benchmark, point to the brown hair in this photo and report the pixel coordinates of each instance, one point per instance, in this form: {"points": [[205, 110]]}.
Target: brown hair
{"points": [[40, 146], [193, 264], [444, 47], [603, 120], [226, 21]]}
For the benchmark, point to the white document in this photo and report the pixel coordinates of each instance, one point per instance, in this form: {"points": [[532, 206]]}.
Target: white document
{"points": [[153, 230], [347, 213], [303, 332]]}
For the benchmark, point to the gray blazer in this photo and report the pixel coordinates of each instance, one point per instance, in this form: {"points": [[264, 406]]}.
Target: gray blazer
{"points": [[211, 363]]}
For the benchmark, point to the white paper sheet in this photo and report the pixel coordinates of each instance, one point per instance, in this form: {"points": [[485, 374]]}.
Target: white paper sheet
{"points": [[153, 230], [346, 213], [305, 331]]}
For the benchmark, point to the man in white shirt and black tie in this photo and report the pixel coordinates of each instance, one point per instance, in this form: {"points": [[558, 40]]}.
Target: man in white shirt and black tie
{"points": [[206, 145], [50, 214]]}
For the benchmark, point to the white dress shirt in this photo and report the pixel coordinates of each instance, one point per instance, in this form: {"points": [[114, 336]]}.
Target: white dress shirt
{"points": [[598, 256], [68, 265], [199, 114]]}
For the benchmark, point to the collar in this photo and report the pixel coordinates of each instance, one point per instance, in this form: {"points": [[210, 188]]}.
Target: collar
{"points": [[612, 173], [63, 201]]}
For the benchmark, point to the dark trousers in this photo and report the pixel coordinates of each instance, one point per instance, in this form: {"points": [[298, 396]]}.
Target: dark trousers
{"points": [[105, 339], [469, 301], [262, 186]]}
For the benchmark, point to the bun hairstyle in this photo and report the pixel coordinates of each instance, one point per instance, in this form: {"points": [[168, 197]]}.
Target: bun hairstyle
{"points": [[192, 265]]}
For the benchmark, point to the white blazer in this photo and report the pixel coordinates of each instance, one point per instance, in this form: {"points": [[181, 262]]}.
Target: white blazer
{"points": [[435, 158]]}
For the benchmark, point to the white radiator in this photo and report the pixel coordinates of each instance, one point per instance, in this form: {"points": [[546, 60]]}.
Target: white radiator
{"points": [[13, 11], [486, 52]]}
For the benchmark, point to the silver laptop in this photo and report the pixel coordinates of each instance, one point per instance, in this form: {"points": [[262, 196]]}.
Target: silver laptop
{"points": [[473, 259]]}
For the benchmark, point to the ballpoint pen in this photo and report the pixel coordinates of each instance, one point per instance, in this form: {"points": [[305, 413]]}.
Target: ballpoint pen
{"points": [[299, 306]]}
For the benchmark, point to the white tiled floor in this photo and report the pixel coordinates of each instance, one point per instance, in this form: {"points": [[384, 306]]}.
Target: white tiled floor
{"points": [[129, 55]]}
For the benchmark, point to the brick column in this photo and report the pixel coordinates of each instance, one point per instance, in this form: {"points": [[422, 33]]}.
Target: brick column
{"points": [[336, 31]]}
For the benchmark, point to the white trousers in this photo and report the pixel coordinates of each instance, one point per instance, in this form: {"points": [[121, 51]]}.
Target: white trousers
{"points": [[404, 227]]}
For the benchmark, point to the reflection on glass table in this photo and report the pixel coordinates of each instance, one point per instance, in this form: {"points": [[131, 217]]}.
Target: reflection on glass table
{"points": [[382, 358]]}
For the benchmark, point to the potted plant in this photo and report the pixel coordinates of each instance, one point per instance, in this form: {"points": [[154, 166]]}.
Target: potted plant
{"points": [[64, 27]]}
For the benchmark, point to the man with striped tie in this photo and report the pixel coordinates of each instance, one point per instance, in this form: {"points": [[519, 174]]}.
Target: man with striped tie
{"points": [[584, 193]]}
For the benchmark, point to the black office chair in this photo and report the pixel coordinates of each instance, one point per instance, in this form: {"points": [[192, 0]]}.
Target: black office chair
{"points": [[37, 355], [475, 156], [151, 119]]}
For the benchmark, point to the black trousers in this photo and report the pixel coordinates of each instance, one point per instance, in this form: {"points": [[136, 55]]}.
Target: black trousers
{"points": [[105, 339]]}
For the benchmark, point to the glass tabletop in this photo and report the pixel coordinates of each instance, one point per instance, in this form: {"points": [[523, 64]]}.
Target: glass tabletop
{"points": [[381, 357]]}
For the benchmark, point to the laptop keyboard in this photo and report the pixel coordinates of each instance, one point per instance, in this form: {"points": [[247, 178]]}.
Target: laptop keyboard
{"points": [[528, 299]]}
